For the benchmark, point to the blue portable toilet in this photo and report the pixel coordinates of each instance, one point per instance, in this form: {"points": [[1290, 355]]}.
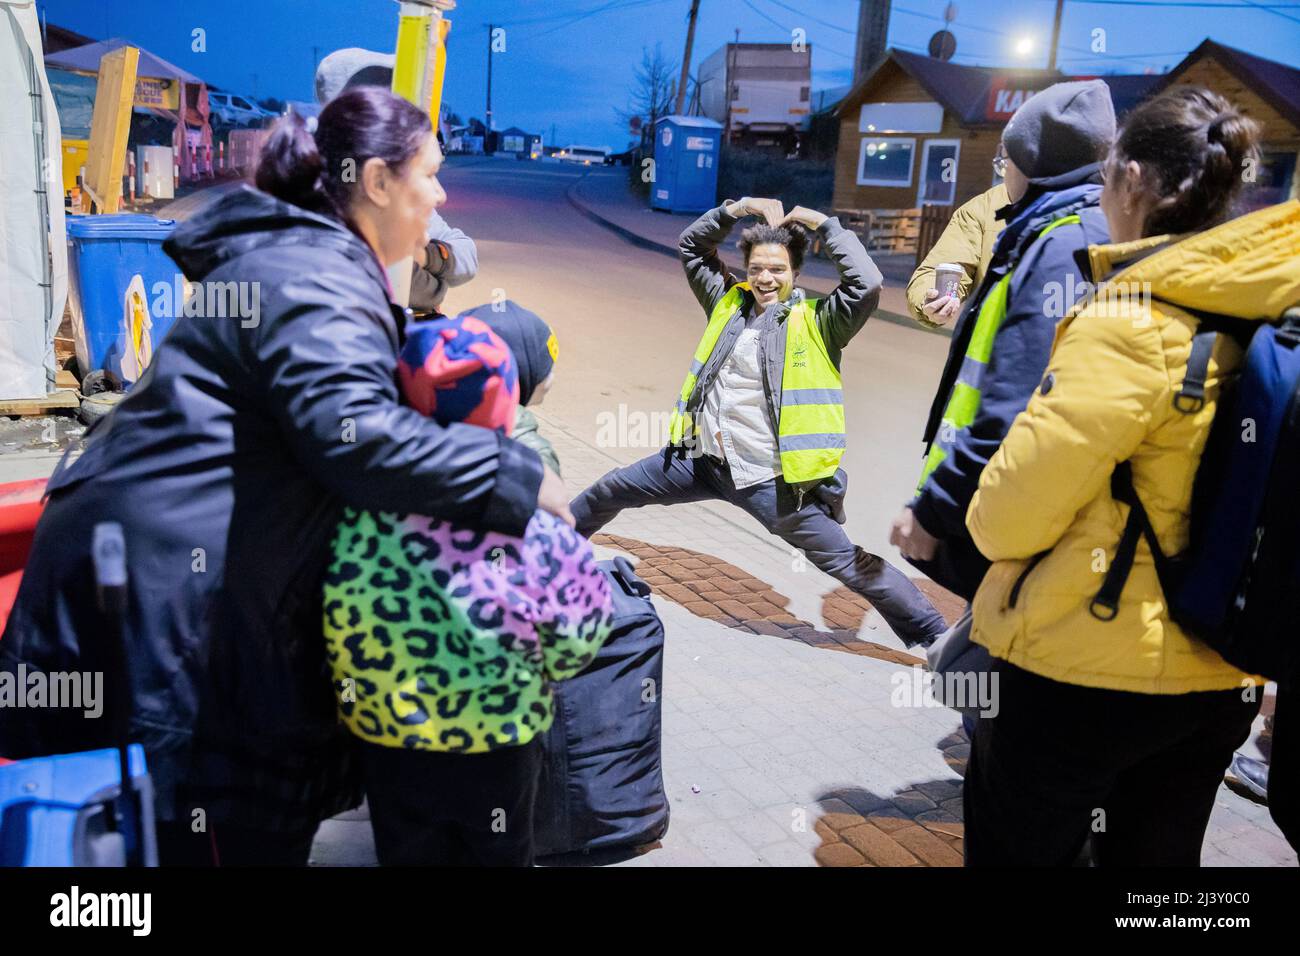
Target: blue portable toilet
{"points": [[687, 150], [124, 291]]}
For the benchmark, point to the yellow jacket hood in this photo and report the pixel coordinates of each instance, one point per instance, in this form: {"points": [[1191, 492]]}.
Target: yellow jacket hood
{"points": [[1248, 268]]}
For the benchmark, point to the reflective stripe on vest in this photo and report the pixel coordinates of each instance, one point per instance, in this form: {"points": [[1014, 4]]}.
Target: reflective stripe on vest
{"points": [[964, 402], [810, 432]]}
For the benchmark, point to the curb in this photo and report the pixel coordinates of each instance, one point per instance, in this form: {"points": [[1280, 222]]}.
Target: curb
{"points": [[636, 239], [624, 233]]}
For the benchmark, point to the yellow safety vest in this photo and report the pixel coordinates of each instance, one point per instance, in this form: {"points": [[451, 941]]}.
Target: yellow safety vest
{"points": [[964, 401], [810, 433]]}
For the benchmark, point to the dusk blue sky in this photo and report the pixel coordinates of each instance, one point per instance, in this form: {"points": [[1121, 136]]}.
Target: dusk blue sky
{"points": [[570, 62]]}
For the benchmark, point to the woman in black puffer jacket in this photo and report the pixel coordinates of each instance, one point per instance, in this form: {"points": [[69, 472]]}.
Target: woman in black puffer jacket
{"points": [[227, 465]]}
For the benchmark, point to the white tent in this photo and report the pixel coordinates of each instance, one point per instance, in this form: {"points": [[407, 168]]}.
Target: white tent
{"points": [[33, 244]]}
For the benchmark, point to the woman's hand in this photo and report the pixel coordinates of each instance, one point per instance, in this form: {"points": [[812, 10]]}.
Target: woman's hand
{"points": [[769, 210], [940, 311], [809, 218], [553, 497], [915, 543]]}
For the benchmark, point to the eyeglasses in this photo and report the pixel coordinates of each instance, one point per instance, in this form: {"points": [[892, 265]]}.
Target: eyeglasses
{"points": [[1000, 162]]}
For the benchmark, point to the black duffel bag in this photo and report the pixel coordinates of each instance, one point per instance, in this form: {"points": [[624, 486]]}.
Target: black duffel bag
{"points": [[602, 784]]}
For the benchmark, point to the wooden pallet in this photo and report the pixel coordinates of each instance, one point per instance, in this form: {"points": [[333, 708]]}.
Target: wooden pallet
{"points": [[883, 230], [60, 400]]}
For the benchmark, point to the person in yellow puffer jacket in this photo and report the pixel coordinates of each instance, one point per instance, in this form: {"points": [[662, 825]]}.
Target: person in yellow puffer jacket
{"points": [[1120, 729]]}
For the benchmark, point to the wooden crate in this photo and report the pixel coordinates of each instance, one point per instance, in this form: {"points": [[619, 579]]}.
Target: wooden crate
{"points": [[883, 230], [894, 230]]}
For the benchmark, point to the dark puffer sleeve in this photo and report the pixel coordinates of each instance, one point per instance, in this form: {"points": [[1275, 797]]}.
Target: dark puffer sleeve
{"points": [[327, 357]]}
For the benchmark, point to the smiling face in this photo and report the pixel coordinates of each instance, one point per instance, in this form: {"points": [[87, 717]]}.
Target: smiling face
{"points": [[771, 277]]}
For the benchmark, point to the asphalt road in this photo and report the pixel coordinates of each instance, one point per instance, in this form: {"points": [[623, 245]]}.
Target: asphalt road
{"points": [[628, 324]]}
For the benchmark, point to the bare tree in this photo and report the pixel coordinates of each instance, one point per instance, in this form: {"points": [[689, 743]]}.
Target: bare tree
{"points": [[654, 88]]}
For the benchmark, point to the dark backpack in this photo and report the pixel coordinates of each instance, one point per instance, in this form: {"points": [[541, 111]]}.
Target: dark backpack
{"points": [[1237, 585]]}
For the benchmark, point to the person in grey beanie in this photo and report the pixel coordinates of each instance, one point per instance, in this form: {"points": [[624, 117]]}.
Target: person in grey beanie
{"points": [[1050, 159], [450, 257], [1059, 129]]}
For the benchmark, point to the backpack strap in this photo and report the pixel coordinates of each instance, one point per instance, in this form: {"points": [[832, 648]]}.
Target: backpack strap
{"points": [[1190, 397], [1105, 604]]}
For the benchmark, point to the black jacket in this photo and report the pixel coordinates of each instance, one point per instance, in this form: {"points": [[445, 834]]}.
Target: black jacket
{"points": [[227, 465]]}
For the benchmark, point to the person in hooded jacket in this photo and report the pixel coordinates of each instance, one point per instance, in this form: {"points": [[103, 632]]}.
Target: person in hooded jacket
{"points": [[1050, 159], [536, 350], [227, 466], [1119, 727]]}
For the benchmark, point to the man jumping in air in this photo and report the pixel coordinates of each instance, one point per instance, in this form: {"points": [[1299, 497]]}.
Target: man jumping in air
{"points": [[760, 418]]}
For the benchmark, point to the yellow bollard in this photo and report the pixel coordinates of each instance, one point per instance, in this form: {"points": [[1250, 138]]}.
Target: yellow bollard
{"points": [[418, 70], [421, 57]]}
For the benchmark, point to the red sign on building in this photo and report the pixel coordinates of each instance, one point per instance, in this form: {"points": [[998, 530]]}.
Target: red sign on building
{"points": [[1008, 93]]}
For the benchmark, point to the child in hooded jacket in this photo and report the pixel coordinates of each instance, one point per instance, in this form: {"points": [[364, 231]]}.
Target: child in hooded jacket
{"points": [[444, 639]]}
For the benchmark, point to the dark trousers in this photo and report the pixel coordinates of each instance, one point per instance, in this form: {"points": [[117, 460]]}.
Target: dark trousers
{"points": [[1283, 767], [1060, 763], [222, 845], [665, 479], [445, 809]]}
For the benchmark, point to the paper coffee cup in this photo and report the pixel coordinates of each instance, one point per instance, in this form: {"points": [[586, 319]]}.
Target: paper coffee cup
{"points": [[947, 279]]}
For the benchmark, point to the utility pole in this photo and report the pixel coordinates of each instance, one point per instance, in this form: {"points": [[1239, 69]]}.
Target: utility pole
{"points": [[1056, 34], [486, 134], [731, 79], [686, 57], [873, 35]]}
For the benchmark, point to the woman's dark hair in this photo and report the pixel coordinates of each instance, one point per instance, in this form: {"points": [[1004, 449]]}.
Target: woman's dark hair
{"points": [[793, 237], [319, 171], [1195, 146]]}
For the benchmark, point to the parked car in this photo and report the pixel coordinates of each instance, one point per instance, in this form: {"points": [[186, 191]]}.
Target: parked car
{"points": [[235, 110]]}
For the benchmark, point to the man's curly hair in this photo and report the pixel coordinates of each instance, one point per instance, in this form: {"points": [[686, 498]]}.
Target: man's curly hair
{"points": [[794, 237]]}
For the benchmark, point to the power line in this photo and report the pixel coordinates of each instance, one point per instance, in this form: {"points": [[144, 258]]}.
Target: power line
{"points": [[1276, 13], [809, 16], [787, 30], [749, 3], [1075, 49], [551, 17], [572, 18]]}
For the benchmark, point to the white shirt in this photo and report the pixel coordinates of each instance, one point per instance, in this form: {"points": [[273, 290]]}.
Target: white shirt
{"points": [[735, 422]]}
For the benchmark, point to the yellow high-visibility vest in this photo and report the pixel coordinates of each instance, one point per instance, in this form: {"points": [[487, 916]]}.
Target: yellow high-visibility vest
{"points": [[964, 402], [810, 433]]}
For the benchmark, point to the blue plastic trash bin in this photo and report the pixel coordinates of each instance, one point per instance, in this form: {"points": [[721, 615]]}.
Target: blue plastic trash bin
{"points": [[124, 291]]}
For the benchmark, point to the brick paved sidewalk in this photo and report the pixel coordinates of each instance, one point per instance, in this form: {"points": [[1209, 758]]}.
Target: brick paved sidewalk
{"points": [[791, 736]]}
